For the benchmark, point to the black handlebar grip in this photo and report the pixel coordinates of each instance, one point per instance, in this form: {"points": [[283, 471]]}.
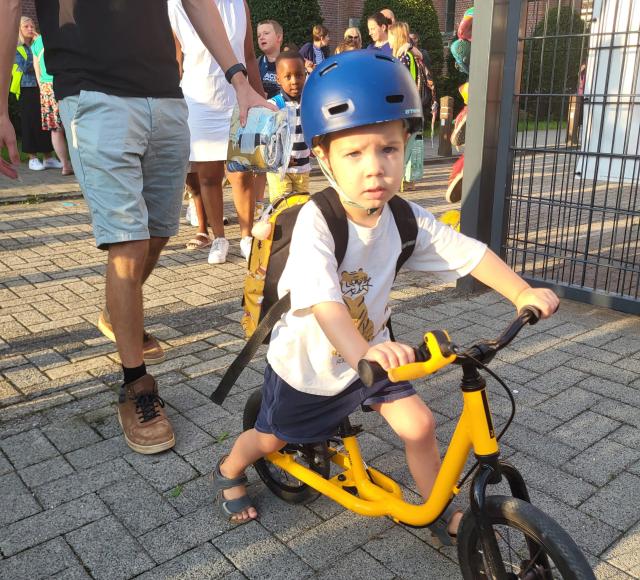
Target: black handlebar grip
{"points": [[533, 314], [370, 372]]}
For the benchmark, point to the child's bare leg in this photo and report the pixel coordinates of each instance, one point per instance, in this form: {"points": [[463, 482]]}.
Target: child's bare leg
{"points": [[414, 423], [249, 446]]}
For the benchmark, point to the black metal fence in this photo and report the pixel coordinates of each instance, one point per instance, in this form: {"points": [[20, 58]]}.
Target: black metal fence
{"points": [[571, 209]]}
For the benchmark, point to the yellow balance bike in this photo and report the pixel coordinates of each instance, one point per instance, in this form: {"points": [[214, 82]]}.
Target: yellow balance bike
{"points": [[500, 537]]}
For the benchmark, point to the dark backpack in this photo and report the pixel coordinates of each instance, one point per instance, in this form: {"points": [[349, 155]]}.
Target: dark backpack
{"points": [[272, 307]]}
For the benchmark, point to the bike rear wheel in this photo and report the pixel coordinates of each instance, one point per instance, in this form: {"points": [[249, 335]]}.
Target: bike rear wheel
{"points": [[314, 456], [532, 545]]}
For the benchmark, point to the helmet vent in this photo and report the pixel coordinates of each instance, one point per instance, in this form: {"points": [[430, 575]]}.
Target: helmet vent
{"points": [[394, 98], [337, 109], [385, 57], [324, 71]]}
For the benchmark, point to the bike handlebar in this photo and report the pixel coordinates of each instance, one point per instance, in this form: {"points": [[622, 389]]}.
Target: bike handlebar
{"points": [[437, 351]]}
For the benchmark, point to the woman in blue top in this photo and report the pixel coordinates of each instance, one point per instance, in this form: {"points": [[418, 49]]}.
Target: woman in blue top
{"points": [[34, 139], [378, 25]]}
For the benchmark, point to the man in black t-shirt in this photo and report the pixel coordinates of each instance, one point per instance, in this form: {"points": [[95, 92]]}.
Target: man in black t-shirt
{"points": [[116, 77]]}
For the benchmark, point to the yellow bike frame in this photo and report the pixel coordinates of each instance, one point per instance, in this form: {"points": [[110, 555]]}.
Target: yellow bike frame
{"points": [[378, 494]]}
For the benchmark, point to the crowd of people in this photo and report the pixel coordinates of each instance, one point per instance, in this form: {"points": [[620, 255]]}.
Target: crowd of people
{"points": [[148, 115]]}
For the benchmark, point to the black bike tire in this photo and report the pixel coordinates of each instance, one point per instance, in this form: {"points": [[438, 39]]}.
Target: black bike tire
{"points": [[302, 493], [531, 521]]}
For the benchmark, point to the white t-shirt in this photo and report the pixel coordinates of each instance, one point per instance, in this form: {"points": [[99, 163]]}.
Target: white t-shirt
{"points": [[299, 351]]}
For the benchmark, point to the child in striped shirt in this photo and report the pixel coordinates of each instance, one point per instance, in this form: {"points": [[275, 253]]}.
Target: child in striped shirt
{"points": [[291, 76]]}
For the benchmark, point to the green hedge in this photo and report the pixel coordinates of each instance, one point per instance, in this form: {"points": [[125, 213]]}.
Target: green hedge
{"points": [[422, 19], [297, 18], [551, 65]]}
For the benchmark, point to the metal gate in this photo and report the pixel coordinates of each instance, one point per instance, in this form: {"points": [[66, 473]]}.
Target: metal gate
{"points": [[565, 208]]}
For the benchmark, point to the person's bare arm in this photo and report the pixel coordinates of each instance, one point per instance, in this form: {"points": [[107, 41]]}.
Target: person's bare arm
{"points": [[206, 20], [179, 54], [336, 323], [37, 69], [250, 56], [10, 11], [493, 272]]}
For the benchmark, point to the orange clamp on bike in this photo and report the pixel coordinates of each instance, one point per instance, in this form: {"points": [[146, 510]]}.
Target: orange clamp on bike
{"points": [[438, 346]]}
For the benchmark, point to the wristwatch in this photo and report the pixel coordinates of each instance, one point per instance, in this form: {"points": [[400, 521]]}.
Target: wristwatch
{"points": [[232, 70]]}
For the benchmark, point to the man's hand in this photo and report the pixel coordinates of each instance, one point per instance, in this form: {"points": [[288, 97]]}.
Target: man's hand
{"points": [[247, 97], [8, 140]]}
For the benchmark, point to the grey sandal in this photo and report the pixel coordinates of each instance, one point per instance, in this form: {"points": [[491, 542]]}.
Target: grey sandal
{"points": [[440, 528], [230, 507]]}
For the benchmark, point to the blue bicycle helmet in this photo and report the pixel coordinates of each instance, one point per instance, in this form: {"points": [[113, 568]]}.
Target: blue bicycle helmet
{"points": [[356, 88]]}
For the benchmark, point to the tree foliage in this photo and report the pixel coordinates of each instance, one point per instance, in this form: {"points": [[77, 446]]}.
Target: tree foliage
{"points": [[297, 18], [552, 62]]}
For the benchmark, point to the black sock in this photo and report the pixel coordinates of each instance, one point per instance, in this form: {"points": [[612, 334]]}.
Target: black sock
{"points": [[134, 373]]}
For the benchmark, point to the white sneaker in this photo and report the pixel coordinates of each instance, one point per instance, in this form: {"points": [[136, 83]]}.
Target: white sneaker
{"points": [[193, 214], [35, 164], [218, 251], [245, 247], [52, 163], [187, 214]]}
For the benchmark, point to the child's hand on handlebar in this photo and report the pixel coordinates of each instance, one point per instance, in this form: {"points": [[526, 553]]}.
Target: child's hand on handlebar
{"points": [[543, 299], [390, 355]]}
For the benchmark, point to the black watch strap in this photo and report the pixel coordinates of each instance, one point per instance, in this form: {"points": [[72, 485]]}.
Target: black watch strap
{"points": [[232, 70]]}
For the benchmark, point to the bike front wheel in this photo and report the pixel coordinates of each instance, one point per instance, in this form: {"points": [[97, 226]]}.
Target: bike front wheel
{"points": [[532, 545]]}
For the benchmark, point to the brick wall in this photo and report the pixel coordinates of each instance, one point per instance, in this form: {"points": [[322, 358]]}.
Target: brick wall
{"points": [[29, 9], [336, 14]]}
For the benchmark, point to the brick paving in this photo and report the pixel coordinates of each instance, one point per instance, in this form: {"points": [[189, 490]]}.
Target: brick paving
{"points": [[78, 503]]}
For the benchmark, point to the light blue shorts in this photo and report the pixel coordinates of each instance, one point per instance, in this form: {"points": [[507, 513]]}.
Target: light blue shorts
{"points": [[130, 157]]}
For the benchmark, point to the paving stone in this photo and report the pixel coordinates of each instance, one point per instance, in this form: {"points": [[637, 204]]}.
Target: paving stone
{"points": [[408, 557], [284, 520], [51, 523], [164, 471], [556, 380], [14, 493], [357, 565], [105, 421], [619, 411], [43, 561], [48, 470], [70, 435], [257, 554], [584, 430], [189, 437], [81, 483], [625, 554], [611, 503], [335, 537], [184, 534], [201, 562], [73, 573], [98, 452], [591, 534], [546, 448], [24, 378], [28, 448], [183, 398], [610, 372], [603, 461], [137, 505], [569, 403], [108, 551], [5, 466], [552, 481], [624, 345], [588, 352], [617, 391], [626, 435]]}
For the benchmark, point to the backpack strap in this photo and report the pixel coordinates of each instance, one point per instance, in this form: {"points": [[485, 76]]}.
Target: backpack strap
{"points": [[250, 348], [328, 202], [407, 228]]}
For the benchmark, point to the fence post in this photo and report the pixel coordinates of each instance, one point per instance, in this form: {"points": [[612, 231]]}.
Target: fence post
{"points": [[493, 76], [446, 121]]}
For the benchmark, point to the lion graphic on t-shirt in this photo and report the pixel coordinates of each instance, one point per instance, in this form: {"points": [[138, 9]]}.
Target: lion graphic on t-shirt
{"points": [[354, 287]]}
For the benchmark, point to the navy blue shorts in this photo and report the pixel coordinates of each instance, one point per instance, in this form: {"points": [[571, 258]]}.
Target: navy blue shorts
{"points": [[297, 417]]}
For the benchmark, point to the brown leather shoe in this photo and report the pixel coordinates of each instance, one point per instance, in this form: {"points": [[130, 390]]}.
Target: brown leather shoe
{"points": [[152, 352], [141, 414]]}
